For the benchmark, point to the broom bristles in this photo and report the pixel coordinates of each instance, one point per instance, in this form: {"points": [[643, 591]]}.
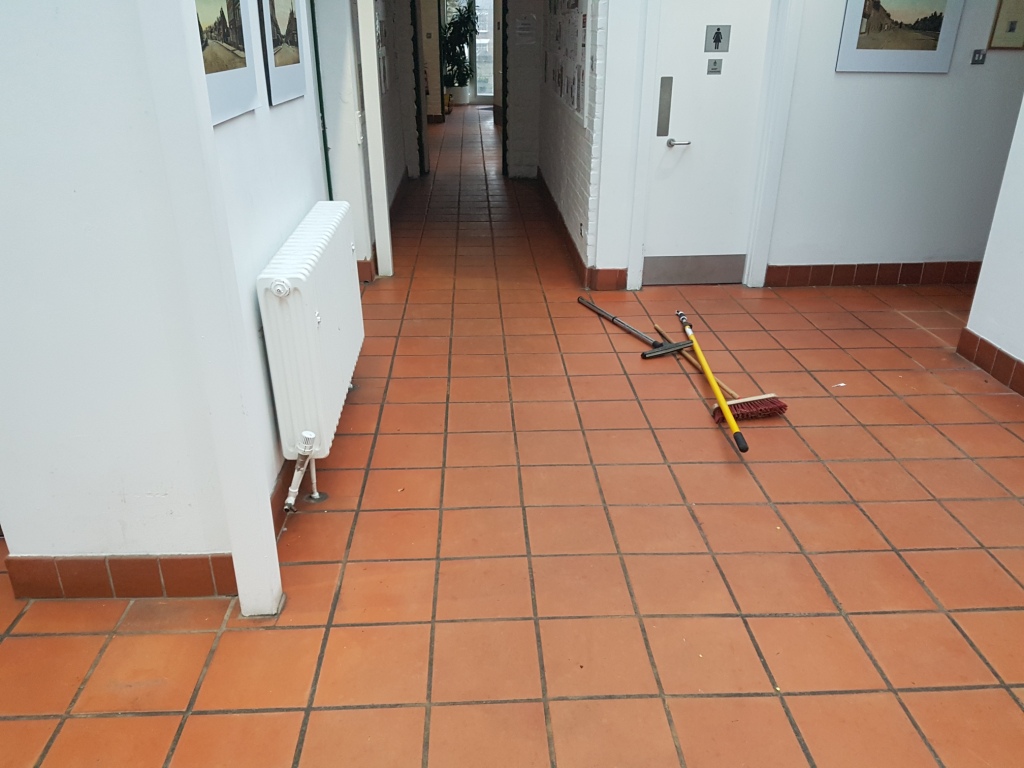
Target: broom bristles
{"points": [[759, 407]]}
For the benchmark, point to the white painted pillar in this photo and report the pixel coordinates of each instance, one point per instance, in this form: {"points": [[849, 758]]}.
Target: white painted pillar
{"points": [[776, 98], [367, 36], [210, 298]]}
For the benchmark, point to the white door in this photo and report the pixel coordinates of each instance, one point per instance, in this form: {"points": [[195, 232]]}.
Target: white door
{"points": [[700, 191]]}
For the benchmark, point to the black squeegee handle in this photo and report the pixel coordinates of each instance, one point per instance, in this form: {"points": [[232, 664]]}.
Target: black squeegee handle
{"points": [[655, 343]]}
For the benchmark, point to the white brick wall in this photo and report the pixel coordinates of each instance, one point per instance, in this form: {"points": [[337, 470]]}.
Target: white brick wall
{"points": [[398, 105], [407, 84], [430, 55], [569, 153]]}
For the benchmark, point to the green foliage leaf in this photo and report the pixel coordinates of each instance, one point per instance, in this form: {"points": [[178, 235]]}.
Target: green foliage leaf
{"points": [[457, 35]]}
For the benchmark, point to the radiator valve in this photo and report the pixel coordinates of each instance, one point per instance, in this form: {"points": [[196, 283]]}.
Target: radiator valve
{"points": [[305, 453]]}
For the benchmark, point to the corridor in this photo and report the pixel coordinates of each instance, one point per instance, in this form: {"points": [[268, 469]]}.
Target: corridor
{"points": [[539, 551]]}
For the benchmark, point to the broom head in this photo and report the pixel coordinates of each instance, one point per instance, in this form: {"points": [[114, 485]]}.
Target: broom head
{"points": [[759, 407]]}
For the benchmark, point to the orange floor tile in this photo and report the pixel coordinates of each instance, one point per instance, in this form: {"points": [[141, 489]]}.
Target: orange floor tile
{"points": [[539, 550]]}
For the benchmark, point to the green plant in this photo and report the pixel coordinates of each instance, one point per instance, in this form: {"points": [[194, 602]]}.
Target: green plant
{"points": [[456, 37]]}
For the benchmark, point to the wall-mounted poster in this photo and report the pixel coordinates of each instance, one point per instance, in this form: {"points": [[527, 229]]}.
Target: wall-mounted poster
{"points": [[1008, 30], [226, 42], [565, 54], [899, 35], [282, 45]]}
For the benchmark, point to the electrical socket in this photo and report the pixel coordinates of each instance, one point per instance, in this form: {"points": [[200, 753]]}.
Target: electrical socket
{"points": [[581, 229]]}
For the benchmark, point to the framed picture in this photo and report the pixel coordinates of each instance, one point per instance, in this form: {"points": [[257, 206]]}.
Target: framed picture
{"points": [[283, 33], [228, 56], [899, 35], [1008, 30]]}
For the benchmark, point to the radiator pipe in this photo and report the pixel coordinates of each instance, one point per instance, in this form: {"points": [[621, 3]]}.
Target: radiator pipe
{"points": [[314, 495], [305, 455]]}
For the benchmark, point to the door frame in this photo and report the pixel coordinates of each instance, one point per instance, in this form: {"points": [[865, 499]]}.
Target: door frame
{"points": [[476, 99], [366, 36], [421, 88], [504, 87], [772, 124], [776, 98]]}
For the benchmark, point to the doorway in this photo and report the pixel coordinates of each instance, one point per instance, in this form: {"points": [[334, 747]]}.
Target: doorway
{"points": [[703, 77], [483, 49], [483, 53]]}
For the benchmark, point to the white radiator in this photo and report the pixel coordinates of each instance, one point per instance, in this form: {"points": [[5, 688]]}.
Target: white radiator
{"points": [[313, 325]]}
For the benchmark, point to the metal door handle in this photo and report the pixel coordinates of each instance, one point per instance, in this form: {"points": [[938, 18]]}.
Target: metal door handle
{"points": [[674, 143]]}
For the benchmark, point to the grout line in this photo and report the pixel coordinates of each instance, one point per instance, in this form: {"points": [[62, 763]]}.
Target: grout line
{"points": [[660, 553], [81, 687], [322, 652], [890, 687], [691, 696], [199, 681], [637, 615], [732, 595], [722, 575], [920, 580], [425, 754], [541, 664]]}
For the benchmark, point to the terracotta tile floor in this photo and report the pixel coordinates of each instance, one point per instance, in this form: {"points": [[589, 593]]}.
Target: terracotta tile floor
{"points": [[540, 551]]}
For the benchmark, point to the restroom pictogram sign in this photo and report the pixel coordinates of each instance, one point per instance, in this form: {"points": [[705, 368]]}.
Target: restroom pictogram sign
{"points": [[717, 38]]}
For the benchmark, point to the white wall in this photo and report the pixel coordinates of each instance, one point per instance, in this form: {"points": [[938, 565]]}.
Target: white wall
{"points": [[566, 157], [524, 71], [104, 442], [619, 85], [408, 81], [894, 167], [998, 312], [142, 424], [272, 172], [567, 151], [430, 55], [398, 103]]}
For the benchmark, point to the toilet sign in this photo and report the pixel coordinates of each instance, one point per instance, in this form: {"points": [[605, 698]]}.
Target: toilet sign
{"points": [[717, 38]]}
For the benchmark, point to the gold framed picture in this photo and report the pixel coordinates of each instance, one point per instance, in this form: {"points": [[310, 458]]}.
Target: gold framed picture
{"points": [[1008, 29]]}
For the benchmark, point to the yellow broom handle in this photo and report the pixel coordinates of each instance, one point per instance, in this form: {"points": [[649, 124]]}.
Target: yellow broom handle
{"points": [[741, 441]]}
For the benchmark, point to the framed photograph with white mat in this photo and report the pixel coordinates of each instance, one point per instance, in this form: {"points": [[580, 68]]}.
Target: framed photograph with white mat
{"points": [[283, 43], [228, 47], [899, 35]]}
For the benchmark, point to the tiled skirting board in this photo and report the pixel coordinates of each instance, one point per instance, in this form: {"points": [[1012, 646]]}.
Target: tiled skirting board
{"points": [[912, 273], [591, 278], [367, 270], [595, 279], [1004, 368], [186, 576], [153, 576]]}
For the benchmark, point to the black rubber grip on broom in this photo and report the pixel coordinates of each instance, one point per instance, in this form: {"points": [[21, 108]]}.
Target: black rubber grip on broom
{"points": [[621, 323], [741, 442]]}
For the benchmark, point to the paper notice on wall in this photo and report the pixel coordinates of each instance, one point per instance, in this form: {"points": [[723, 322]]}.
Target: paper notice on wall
{"points": [[566, 56], [525, 30]]}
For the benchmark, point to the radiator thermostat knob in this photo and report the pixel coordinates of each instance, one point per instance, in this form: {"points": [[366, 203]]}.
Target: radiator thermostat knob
{"points": [[281, 287]]}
